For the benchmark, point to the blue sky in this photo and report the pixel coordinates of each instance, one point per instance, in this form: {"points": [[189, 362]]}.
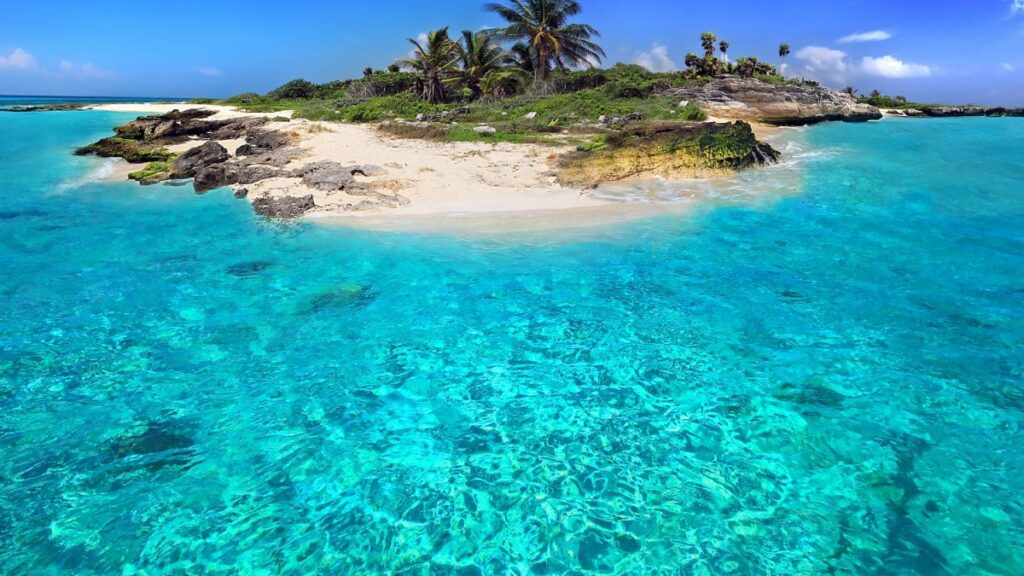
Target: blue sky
{"points": [[936, 50]]}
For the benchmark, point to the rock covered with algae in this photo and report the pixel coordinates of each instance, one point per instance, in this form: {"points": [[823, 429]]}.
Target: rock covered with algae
{"points": [[669, 150]]}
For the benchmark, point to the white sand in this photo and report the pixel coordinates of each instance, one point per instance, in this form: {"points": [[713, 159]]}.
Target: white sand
{"points": [[222, 112], [450, 186]]}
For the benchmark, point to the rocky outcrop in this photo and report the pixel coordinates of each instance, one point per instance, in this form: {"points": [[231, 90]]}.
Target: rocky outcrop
{"points": [[191, 162], [669, 150], [959, 111], [285, 207], [230, 173], [177, 126], [261, 142], [44, 108], [782, 104], [330, 176], [131, 150]]}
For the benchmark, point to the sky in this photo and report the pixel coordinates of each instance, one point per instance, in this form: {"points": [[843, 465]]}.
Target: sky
{"points": [[955, 51]]}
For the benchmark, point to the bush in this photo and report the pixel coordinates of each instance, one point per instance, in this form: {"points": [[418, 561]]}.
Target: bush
{"points": [[564, 82], [692, 113], [383, 84], [298, 89]]}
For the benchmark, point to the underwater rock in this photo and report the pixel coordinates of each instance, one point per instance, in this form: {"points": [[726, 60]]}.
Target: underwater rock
{"points": [[248, 269], [339, 297], [669, 150]]}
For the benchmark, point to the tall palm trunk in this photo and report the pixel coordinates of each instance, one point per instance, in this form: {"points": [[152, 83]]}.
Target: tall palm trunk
{"points": [[541, 72]]}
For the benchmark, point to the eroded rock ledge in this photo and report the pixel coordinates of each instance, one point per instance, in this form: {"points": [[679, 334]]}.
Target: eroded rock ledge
{"points": [[781, 104], [669, 150]]}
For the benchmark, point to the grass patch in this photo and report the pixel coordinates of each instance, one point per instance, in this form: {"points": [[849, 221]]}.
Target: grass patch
{"points": [[153, 172]]}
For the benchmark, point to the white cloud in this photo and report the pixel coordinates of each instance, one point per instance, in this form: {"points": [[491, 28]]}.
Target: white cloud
{"points": [[1017, 7], [890, 67], [873, 36], [822, 62], [657, 60], [69, 68], [18, 60], [1007, 66], [211, 72]]}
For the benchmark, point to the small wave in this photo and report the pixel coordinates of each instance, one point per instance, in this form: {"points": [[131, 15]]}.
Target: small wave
{"points": [[103, 170]]}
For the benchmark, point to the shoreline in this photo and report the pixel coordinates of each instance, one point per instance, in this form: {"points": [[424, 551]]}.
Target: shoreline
{"points": [[443, 186]]}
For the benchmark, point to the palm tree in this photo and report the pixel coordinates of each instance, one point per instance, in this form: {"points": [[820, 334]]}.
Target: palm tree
{"points": [[707, 41], [723, 47], [434, 60], [523, 57], [544, 26], [783, 53], [479, 57]]}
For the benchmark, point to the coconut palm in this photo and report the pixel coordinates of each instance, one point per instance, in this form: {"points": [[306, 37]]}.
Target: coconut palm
{"points": [[479, 56], [434, 60], [783, 53], [523, 57], [544, 26]]}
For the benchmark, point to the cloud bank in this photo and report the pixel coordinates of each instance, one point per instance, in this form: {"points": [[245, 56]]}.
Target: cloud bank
{"points": [[836, 65], [657, 60], [18, 60]]}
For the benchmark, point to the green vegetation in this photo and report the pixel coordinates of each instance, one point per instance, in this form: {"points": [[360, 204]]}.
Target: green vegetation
{"points": [[551, 40], [534, 80], [131, 150], [879, 100], [153, 172]]}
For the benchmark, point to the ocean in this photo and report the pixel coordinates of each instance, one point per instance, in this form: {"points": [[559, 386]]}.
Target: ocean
{"points": [[826, 377]]}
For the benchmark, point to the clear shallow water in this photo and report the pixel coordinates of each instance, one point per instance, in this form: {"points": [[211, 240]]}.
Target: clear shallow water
{"points": [[827, 382]]}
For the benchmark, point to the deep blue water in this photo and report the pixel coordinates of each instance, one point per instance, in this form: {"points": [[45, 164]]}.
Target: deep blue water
{"points": [[825, 381]]}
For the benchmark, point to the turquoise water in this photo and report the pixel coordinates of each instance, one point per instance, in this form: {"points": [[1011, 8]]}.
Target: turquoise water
{"points": [[826, 381], [6, 101]]}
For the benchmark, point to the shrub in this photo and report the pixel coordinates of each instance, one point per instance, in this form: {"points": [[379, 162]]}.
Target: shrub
{"points": [[692, 113], [298, 89], [383, 84]]}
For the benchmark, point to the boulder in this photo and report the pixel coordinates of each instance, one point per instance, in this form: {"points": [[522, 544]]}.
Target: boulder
{"points": [[329, 176], [241, 193], [529, 116], [262, 141], [215, 176], [191, 162], [253, 174], [485, 130], [285, 207], [783, 104]]}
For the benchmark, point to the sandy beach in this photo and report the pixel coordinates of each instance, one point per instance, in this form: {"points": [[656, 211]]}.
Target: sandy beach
{"points": [[448, 185]]}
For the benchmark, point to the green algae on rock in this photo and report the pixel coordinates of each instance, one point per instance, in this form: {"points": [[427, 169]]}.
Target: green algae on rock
{"points": [[669, 150], [131, 150]]}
